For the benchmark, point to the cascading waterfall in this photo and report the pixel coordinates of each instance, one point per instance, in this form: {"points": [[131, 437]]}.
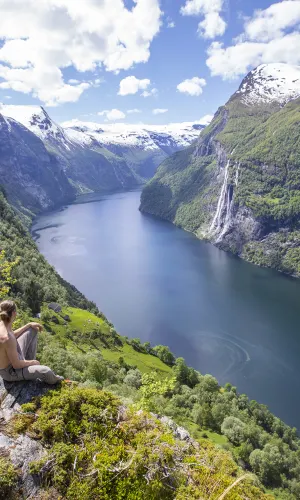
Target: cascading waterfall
{"points": [[223, 216], [216, 223], [236, 181], [229, 207]]}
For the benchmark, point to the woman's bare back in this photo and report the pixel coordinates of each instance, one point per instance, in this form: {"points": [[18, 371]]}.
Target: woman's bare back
{"points": [[4, 337]]}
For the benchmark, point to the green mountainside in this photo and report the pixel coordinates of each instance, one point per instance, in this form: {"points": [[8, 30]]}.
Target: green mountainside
{"points": [[136, 422], [238, 186], [107, 444]]}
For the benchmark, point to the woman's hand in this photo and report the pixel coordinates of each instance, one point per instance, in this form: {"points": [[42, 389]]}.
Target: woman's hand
{"points": [[36, 326], [34, 362]]}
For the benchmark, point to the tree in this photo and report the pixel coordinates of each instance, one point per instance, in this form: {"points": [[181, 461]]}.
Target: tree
{"points": [[181, 371], [133, 378], [267, 464], [164, 354], [6, 279], [234, 429]]}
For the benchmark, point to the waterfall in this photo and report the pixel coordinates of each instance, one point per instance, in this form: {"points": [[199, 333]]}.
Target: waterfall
{"points": [[229, 207], [223, 216], [237, 174], [216, 223]]}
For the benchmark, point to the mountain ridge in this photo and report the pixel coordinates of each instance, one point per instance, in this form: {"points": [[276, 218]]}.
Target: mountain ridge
{"points": [[90, 157], [238, 186]]}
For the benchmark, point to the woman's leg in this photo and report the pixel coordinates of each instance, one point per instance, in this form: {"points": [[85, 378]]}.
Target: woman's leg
{"points": [[28, 343], [41, 372]]}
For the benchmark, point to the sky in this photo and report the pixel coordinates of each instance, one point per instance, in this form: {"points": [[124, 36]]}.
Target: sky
{"points": [[138, 61]]}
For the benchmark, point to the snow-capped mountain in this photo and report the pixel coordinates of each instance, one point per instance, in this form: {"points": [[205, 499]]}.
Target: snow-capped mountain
{"points": [[31, 176], [128, 153], [239, 186], [143, 147], [271, 82], [148, 137]]}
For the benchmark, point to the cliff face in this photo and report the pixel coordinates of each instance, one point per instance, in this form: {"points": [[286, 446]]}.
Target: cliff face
{"points": [[238, 187], [44, 164], [32, 177], [19, 451]]}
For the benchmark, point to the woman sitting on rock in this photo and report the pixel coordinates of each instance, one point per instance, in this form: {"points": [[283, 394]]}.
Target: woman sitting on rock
{"points": [[18, 349]]}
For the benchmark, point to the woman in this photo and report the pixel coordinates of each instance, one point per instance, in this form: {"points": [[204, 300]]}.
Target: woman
{"points": [[18, 349]]}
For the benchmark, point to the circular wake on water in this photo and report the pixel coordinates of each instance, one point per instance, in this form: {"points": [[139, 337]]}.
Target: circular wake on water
{"points": [[225, 352]]}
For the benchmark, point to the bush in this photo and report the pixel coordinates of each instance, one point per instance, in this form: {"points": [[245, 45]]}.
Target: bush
{"points": [[133, 378], [234, 429], [8, 479]]}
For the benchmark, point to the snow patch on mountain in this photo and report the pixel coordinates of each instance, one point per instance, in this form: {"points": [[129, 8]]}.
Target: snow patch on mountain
{"points": [[147, 137], [271, 82], [86, 134], [37, 120]]}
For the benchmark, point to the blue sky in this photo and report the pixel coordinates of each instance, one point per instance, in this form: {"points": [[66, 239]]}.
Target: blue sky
{"points": [[59, 52]]}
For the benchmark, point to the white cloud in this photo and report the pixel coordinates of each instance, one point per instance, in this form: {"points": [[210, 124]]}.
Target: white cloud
{"points": [[72, 81], [193, 86], [271, 35], [159, 111], [132, 111], [131, 85], [272, 22], [42, 38], [213, 24], [171, 24], [7, 97], [149, 93], [205, 120], [112, 114]]}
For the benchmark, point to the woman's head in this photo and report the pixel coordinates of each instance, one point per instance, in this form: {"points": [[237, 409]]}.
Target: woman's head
{"points": [[8, 311]]}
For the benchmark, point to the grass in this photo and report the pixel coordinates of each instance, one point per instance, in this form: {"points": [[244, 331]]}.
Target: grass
{"points": [[216, 438], [146, 363], [85, 322]]}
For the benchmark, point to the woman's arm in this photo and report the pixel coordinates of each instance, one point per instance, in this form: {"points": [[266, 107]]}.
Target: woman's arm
{"points": [[20, 331], [12, 354]]}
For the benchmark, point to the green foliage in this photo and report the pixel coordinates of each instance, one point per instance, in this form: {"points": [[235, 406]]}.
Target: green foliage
{"points": [[97, 449], [133, 378], [263, 145], [6, 279], [25, 272], [234, 429], [8, 479], [164, 354], [152, 387]]}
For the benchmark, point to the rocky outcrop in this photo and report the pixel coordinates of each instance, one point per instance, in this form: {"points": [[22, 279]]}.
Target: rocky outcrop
{"points": [[20, 450]]}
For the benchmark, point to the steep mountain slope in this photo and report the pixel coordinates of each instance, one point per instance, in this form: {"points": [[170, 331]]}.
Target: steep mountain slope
{"points": [[91, 157], [87, 166], [31, 175], [89, 442], [33, 279], [238, 186]]}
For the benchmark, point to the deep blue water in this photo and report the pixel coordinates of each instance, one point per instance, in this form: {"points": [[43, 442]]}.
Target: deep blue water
{"points": [[161, 284]]}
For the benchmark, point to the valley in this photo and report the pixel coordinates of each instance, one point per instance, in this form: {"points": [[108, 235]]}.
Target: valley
{"points": [[233, 182], [224, 316]]}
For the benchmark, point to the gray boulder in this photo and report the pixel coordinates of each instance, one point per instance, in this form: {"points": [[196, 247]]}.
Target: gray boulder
{"points": [[20, 450]]}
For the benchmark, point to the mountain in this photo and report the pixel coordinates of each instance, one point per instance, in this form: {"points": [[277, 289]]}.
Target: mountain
{"points": [[136, 422], [143, 147], [238, 185], [101, 158], [87, 165], [29, 172]]}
